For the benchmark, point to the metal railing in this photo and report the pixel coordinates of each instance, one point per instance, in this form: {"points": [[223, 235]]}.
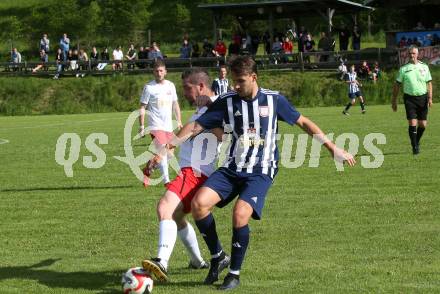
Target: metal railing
{"points": [[302, 61]]}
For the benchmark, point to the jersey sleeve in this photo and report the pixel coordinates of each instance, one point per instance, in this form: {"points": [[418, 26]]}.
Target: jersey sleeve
{"points": [[286, 111], [428, 76], [399, 78], [214, 115], [145, 96]]}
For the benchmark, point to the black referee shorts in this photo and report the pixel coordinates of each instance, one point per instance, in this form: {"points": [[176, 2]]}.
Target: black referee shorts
{"points": [[416, 106]]}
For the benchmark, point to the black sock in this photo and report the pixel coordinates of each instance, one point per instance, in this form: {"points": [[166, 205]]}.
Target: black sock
{"points": [[240, 241], [420, 131], [347, 107], [412, 132], [209, 233], [362, 105]]}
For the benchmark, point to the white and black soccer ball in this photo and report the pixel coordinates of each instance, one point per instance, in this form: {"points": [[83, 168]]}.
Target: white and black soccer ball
{"points": [[137, 281]]}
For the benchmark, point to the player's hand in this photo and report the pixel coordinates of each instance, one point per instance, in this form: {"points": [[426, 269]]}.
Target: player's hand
{"points": [[430, 102], [341, 155], [179, 125], [153, 162], [394, 106], [141, 131]]}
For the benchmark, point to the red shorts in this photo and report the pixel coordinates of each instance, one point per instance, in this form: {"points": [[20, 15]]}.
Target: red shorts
{"points": [[185, 185], [161, 137]]}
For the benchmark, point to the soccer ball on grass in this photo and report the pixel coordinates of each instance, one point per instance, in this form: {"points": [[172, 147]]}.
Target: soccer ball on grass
{"points": [[137, 281]]}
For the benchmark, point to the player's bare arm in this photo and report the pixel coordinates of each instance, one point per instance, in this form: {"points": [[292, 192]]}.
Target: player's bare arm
{"points": [[142, 117], [188, 131], [429, 84], [313, 130], [177, 114]]}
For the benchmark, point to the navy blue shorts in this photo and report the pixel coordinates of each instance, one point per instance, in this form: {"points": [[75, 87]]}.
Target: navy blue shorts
{"points": [[251, 188], [354, 95]]}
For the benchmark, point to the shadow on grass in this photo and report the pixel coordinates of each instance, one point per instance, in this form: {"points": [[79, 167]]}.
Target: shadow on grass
{"points": [[65, 188], [105, 281]]}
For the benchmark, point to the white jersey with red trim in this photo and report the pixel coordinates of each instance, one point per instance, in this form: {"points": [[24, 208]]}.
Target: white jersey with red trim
{"points": [[159, 99]]}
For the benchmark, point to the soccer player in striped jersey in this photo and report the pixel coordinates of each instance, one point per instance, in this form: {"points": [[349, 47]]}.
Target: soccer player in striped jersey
{"points": [[221, 84], [353, 90], [251, 114]]}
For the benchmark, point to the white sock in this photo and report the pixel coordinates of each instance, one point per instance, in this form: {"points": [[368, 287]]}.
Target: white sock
{"points": [[167, 239], [189, 239], [163, 166]]}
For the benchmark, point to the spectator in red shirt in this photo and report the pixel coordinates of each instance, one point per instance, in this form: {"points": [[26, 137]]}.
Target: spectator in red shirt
{"points": [[287, 46], [220, 48]]}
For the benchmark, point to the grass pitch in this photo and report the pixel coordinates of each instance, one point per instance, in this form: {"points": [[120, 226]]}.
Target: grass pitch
{"points": [[323, 231]]}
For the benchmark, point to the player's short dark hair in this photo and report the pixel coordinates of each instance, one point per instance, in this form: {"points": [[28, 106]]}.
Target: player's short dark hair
{"points": [[196, 75], [159, 63], [242, 65]]}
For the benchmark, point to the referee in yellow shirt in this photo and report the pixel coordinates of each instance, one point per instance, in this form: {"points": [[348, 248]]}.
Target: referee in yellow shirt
{"points": [[417, 89]]}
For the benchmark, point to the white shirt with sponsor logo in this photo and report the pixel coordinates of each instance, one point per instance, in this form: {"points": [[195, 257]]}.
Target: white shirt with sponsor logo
{"points": [[159, 98], [201, 152]]}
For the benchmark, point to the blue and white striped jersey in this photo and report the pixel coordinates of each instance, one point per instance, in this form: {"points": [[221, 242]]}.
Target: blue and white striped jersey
{"points": [[253, 124], [352, 87], [220, 87]]}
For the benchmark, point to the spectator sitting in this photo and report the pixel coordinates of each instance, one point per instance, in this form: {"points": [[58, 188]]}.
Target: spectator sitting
{"points": [[94, 57], [59, 59], [15, 59], [83, 62], [220, 48], [118, 56], [277, 46], [73, 59], [185, 50], [287, 49], [131, 56], [154, 52], [364, 71], [376, 71], [208, 49], [287, 46], [105, 57], [43, 58], [142, 57], [44, 43]]}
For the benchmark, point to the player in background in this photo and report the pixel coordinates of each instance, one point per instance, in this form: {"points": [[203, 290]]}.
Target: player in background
{"points": [[176, 202], [221, 84], [353, 90], [417, 95], [159, 97], [251, 114]]}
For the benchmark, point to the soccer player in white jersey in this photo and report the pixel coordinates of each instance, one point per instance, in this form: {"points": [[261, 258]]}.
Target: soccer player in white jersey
{"points": [[353, 90], [251, 114], [221, 84], [160, 98], [176, 202]]}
